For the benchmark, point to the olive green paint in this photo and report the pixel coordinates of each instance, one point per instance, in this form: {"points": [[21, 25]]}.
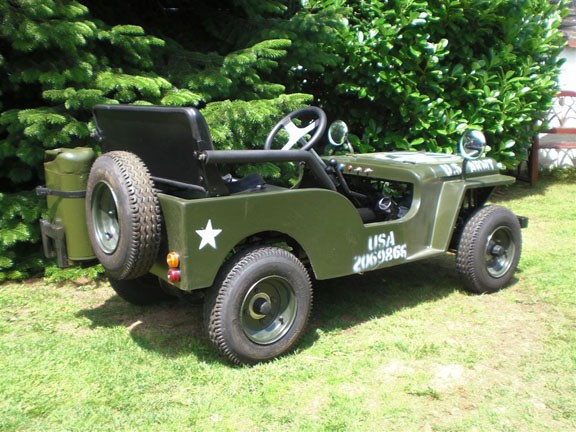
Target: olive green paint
{"points": [[324, 223], [67, 170]]}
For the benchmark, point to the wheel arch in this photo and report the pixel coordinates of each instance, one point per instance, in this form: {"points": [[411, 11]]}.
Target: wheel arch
{"points": [[473, 199], [279, 239], [223, 257]]}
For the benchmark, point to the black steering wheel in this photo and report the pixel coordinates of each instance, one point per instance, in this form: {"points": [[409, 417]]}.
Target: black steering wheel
{"points": [[296, 135]]}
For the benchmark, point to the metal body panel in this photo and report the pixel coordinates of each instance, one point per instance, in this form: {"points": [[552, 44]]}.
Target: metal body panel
{"points": [[325, 223]]}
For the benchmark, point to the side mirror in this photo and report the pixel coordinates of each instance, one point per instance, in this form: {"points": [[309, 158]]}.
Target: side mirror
{"points": [[338, 135], [472, 144]]}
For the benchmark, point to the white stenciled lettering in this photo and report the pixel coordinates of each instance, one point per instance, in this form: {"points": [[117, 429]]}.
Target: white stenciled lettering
{"points": [[450, 170], [480, 165], [473, 166], [382, 248], [380, 241]]}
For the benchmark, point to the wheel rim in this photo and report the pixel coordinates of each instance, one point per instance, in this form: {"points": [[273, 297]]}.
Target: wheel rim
{"points": [[105, 218], [268, 310], [500, 251]]}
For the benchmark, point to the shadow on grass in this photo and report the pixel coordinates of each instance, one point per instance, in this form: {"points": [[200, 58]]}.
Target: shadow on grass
{"points": [[345, 302], [176, 328], [172, 328]]}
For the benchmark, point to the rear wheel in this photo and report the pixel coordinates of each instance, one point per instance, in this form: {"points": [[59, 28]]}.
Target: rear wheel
{"points": [[259, 307], [123, 215], [142, 291], [489, 249]]}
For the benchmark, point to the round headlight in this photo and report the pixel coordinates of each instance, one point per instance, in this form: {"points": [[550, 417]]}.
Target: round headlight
{"points": [[472, 144]]}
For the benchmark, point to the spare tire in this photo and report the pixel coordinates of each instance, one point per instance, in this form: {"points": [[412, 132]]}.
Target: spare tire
{"points": [[123, 215]]}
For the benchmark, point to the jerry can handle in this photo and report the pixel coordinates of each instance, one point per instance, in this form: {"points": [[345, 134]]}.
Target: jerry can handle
{"points": [[44, 191]]}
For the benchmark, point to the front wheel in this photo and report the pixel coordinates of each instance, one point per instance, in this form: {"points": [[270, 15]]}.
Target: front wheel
{"points": [[260, 305], [489, 249]]}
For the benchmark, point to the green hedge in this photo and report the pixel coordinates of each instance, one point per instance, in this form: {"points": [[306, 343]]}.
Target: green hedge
{"points": [[424, 71]]}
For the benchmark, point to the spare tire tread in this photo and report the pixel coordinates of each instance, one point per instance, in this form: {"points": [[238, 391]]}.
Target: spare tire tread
{"points": [[138, 210]]}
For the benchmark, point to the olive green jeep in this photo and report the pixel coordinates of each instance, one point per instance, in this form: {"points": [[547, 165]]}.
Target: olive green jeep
{"points": [[157, 212]]}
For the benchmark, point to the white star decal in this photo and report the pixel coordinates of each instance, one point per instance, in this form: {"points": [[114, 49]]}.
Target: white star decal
{"points": [[208, 235]]}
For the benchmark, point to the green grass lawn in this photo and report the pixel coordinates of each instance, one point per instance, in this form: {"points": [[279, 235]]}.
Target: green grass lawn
{"points": [[403, 349]]}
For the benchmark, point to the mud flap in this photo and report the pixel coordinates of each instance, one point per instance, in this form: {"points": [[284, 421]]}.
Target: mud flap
{"points": [[523, 221], [54, 242]]}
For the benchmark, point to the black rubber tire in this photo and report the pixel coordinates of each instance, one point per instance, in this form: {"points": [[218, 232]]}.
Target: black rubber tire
{"points": [[123, 215], [489, 250], [143, 291], [259, 306]]}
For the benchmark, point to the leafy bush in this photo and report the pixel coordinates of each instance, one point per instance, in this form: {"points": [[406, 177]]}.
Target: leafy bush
{"points": [[419, 72], [19, 253]]}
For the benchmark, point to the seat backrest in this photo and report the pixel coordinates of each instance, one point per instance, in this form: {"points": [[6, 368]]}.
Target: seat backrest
{"points": [[167, 139]]}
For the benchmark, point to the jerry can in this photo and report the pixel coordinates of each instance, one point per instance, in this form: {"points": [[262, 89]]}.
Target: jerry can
{"points": [[64, 231]]}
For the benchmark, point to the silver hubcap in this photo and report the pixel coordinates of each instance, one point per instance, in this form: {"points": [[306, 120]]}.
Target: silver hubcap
{"points": [[500, 251], [268, 310], [105, 218]]}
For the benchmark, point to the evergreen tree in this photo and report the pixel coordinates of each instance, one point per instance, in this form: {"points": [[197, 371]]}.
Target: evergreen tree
{"points": [[60, 58]]}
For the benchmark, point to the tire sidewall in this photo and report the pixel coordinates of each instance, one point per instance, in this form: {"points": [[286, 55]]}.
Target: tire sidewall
{"points": [[471, 252], [237, 282], [109, 176], [131, 257]]}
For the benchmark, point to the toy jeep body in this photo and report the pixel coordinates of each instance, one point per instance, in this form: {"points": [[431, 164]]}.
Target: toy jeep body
{"points": [[163, 221]]}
